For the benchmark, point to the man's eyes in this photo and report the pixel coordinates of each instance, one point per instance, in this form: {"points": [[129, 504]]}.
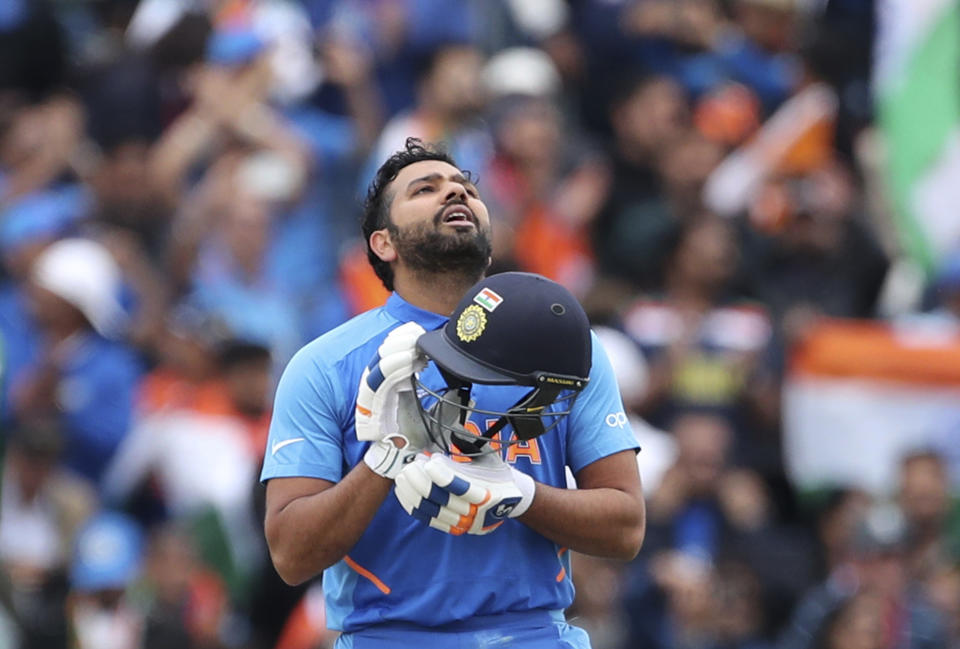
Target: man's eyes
{"points": [[423, 189]]}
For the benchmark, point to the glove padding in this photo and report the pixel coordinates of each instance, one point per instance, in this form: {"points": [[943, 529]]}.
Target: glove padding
{"points": [[463, 497], [387, 412]]}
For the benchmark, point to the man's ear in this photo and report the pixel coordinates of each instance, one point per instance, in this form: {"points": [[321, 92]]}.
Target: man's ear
{"points": [[382, 245]]}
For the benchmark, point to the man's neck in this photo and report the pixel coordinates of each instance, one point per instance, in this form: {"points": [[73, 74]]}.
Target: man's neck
{"points": [[431, 292]]}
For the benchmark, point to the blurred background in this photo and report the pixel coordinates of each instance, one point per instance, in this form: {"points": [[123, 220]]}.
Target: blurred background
{"points": [[755, 200]]}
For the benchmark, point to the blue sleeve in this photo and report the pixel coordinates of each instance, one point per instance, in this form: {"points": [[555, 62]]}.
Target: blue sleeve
{"points": [[598, 425], [306, 438]]}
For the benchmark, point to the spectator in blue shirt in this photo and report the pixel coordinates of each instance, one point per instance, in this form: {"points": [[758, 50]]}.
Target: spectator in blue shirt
{"points": [[81, 372], [27, 227]]}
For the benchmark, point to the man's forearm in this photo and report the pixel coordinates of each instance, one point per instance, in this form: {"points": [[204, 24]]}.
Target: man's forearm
{"points": [[601, 522], [605, 517], [312, 531]]}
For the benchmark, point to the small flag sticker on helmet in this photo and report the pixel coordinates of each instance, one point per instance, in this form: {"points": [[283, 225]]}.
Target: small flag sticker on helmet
{"points": [[488, 299]]}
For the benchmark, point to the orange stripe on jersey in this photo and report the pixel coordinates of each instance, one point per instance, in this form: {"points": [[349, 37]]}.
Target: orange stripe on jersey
{"points": [[360, 570], [563, 571]]}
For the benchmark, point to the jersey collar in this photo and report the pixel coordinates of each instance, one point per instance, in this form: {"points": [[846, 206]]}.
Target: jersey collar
{"points": [[406, 312]]}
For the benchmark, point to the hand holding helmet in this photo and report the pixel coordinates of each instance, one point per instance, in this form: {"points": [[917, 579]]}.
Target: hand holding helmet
{"points": [[473, 497], [387, 411]]}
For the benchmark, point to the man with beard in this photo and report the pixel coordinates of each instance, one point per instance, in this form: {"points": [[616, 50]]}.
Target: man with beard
{"points": [[393, 574]]}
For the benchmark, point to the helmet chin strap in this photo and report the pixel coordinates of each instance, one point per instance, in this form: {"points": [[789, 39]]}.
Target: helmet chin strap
{"points": [[465, 441], [449, 417], [449, 414], [524, 416]]}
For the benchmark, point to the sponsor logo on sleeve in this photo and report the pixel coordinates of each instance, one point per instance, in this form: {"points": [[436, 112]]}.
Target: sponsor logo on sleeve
{"points": [[616, 419], [287, 442]]}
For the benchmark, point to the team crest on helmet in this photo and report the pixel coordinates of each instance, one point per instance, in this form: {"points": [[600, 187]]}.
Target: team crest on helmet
{"points": [[471, 323]]}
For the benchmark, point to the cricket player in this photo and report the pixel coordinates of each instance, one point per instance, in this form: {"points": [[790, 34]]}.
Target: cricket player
{"points": [[417, 453]]}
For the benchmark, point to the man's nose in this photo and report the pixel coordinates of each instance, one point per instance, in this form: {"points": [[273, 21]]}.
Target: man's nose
{"points": [[456, 191]]}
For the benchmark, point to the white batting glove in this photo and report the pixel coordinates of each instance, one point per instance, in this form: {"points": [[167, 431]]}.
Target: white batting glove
{"points": [[387, 413], [463, 497]]}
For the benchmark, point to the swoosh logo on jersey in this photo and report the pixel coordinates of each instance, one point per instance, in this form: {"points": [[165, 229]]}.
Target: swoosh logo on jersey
{"points": [[287, 442]]}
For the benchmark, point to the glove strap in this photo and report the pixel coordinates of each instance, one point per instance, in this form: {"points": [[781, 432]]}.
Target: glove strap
{"points": [[386, 458], [527, 488]]}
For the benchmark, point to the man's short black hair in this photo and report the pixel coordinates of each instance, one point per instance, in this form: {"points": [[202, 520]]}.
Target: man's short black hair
{"points": [[376, 208]]}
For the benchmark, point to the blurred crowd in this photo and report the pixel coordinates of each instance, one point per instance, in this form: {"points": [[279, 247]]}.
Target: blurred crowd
{"points": [[180, 185]]}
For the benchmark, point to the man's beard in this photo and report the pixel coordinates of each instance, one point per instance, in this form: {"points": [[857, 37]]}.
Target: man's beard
{"points": [[425, 249]]}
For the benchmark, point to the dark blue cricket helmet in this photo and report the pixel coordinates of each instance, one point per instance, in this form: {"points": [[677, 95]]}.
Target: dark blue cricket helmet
{"points": [[509, 329]]}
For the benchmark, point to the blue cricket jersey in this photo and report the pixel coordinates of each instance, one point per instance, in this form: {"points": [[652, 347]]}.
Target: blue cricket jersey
{"points": [[401, 570]]}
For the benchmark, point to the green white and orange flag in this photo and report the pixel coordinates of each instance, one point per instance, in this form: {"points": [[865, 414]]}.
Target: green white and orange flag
{"points": [[859, 394], [916, 86]]}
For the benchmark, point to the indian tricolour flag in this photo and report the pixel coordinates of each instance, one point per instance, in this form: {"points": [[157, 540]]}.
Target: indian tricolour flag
{"points": [[488, 299], [860, 394], [917, 92]]}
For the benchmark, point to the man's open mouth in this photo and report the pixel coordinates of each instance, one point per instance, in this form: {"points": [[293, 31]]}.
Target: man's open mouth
{"points": [[458, 214]]}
